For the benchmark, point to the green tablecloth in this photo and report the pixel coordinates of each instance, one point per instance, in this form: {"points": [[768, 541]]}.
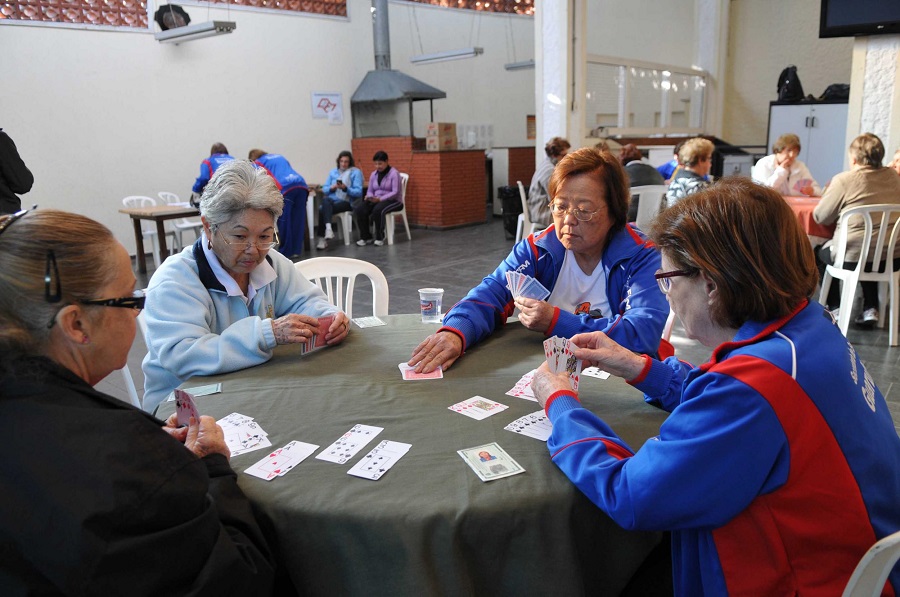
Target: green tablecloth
{"points": [[429, 526]]}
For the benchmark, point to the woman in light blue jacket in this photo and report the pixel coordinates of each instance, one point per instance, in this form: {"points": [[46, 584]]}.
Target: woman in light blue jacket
{"points": [[343, 185]]}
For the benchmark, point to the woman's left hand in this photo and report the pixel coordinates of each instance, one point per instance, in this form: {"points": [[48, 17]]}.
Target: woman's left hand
{"points": [[339, 329], [171, 427], [545, 383], [535, 315]]}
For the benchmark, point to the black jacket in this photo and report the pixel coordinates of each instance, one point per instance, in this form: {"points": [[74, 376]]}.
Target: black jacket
{"points": [[97, 500], [15, 177]]}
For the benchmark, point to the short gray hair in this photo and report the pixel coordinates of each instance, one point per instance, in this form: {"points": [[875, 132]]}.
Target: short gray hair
{"points": [[238, 185]]}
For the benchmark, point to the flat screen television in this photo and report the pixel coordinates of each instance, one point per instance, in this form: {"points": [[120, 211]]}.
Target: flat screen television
{"points": [[848, 18]]}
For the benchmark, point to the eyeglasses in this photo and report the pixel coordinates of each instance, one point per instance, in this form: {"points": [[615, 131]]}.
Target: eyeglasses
{"points": [[19, 214], [244, 245], [664, 279], [52, 281], [580, 214]]}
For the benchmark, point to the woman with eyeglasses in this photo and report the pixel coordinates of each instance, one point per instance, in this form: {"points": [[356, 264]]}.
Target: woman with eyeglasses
{"points": [[224, 303], [598, 270], [779, 465], [99, 497]]}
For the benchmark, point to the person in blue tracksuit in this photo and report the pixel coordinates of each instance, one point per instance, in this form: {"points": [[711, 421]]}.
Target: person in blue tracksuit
{"points": [[779, 465], [292, 223], [598, 269], [218, 155]]}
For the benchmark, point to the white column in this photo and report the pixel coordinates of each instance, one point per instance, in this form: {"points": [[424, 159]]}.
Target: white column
{"points": [[553, 68], [874, 105], [710, 54]]}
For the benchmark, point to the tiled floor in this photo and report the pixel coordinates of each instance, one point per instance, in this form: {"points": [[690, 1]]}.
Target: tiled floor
{"points": [[456, 260]]}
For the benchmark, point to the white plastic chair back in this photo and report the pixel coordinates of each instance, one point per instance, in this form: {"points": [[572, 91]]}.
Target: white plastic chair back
{"points": [[877, 248], [148, 228], [524, 219], [181, 224], [132, 389], [652, 198], [873, 569], [336, 276], [404, 179]]}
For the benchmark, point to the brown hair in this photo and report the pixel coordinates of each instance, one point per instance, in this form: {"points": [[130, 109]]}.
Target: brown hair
{"points": [[84, 259], [555, 147], [867, 150], [218, 148], [694, 151], [630, 153], [786, 141], [609, 172], [747, 240], [255, 154]]}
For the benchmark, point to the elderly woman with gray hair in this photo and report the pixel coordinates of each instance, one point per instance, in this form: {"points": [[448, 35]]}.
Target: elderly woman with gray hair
{"points": [[225, 302]]}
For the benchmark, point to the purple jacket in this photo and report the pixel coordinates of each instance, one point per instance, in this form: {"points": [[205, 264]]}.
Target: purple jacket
{"points": [[389, 187]]}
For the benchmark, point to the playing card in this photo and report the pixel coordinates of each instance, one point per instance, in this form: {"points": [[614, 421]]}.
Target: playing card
{"points": [[595, 372], [282, 460], [368, 322], [409, 373], [379, 460], [522, 389], [490, 462], [478, 407], [243, 434], [345, 447], [535, 425], [317, 341], [534, 289], [185, 408]]}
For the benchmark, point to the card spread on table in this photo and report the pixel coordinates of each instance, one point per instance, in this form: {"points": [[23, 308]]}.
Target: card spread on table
{"points": [[478, 407], [535, 425], [185, 408], [243, 434], [595, 372], [522, 389], [490, 462], [368, 322], [409, 373], [520, 284], [560, 353], [346, 447], [318, 340], [379, 460], [280, 461]]}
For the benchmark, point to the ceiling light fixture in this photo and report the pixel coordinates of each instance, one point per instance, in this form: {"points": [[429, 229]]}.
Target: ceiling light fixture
{"points": [[447, 55], [523, 65], [192, 32]]}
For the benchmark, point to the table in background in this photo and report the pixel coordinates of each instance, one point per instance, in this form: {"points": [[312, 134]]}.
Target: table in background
{"points": [[429, 526], [803, 207], [158, 214]]}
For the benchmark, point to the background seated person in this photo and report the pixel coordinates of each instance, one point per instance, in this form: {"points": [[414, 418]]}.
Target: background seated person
{"points": [[292, 223], [866, 183], [224, 303], [218, 155], [779, 465], [538, 193], [383, 196], [696, 160], [598, 269], [667, 170], [343, 185], [895, 163], [639, 174], [783, 171], [99, 497]]}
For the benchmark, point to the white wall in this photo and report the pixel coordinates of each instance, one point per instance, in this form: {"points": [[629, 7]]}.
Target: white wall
{"points": [[766, 36], [100, 115], [642, 30]]}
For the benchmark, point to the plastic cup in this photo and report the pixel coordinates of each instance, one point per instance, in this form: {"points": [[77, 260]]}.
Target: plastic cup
{"points": [[430, 303]]}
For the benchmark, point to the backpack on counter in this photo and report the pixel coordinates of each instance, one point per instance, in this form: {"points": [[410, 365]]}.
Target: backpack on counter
{"points": [[790, 89]]}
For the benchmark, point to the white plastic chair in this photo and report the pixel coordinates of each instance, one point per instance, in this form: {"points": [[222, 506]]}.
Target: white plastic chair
{"points": [[336, 276], [404, 179], [881, 256], [181, 224], [311, 214], [652, 198], [873, 569], [346, 220], [524, 219], [148, 228], [132, 389]]}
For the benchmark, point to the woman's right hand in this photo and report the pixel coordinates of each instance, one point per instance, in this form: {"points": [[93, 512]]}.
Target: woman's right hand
{"points": [[595, 349], [437, 350], [206, 437], [293, 328]]}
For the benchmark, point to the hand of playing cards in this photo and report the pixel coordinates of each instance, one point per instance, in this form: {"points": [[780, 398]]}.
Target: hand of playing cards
{"points": [[560, 353], [318, 340], [520, 284]]}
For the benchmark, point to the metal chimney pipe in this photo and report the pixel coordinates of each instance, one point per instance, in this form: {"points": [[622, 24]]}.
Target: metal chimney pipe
{"points": [[381, 34]]}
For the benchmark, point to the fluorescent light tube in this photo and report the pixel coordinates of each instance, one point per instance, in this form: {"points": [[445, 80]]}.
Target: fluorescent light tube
{"points": [[192, 32], [447, 55]]}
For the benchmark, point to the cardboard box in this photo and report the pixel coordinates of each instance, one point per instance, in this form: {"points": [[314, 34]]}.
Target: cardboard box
{"points": [[440, 129], [440, 143]]}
